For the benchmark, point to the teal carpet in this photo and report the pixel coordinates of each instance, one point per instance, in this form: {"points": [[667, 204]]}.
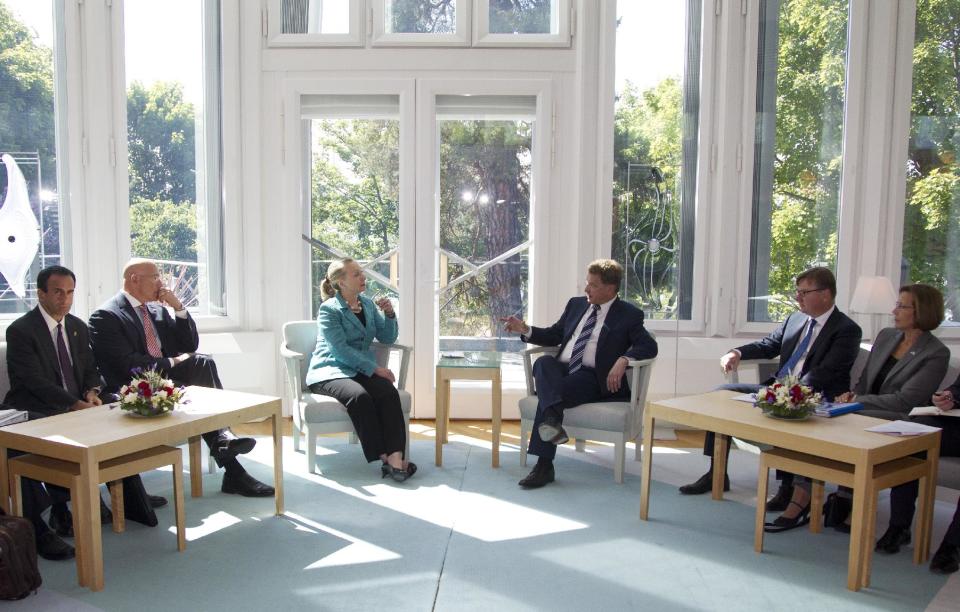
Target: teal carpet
{"points": [[465, 537]]}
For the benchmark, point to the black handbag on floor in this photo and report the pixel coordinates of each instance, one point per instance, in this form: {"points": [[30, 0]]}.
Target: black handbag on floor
{"points": [[19, 574]]}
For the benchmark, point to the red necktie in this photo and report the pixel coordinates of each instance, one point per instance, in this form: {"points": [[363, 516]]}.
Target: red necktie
{"points": [[153, 343]]}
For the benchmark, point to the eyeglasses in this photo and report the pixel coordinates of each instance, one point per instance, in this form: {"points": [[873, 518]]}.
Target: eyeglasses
{"points": [[804, 292], [902, 306]]}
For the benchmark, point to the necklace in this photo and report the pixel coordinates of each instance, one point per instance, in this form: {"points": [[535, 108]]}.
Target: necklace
{"points": [[356, 308]]}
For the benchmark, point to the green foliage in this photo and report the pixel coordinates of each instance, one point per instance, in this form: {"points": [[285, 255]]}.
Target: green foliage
{"points": [[160, 229], [26, 103], [423, 16], [160, 141]]}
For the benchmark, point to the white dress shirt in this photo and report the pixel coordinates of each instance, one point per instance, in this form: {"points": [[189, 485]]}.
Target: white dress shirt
{"points": [[181, 314], [590, 352], [52, 326], [821, 321]]}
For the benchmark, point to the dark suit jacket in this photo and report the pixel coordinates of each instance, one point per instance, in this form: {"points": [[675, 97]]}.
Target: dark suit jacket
{"points": [[622, 335], [34, 368], [120, 344], [827, 366], [910, 383], [954, 389]]}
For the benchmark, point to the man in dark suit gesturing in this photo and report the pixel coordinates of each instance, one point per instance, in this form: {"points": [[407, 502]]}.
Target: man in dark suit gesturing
{"points": [[52, 371], [597, 335], [135, 330], [818, 344]]}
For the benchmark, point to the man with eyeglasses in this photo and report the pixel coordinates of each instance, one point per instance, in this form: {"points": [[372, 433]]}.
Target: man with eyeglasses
{"points": [[818, 344]]}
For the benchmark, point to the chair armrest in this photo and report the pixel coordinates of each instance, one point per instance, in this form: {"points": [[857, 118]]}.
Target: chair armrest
{"points": [[405, 352], [287, 353], [528, 364], [639, 371], [733, 376]]}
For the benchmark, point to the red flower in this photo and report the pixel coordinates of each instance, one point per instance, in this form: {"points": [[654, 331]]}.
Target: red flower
{"points": [[796, 394], [169, 391], [771, 397]]}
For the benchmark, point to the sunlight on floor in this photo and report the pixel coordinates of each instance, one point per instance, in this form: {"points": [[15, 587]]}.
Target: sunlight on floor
{"points": [[213, 523], [356, 552]]}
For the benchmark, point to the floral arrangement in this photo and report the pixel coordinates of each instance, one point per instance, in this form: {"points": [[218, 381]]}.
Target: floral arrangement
{"points": [[788, 398], [149, 394]]}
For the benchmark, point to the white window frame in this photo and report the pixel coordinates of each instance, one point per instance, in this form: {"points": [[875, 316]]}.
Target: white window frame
{"points": [[277, 38], [379, 37], [562, 13], [706, 177]]}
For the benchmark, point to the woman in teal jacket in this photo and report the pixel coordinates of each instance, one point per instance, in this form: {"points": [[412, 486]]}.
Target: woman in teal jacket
{"points": [[343, 366]]}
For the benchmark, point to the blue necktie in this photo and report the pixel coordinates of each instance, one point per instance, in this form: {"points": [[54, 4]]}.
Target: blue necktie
{"points": [[799, 351], [576, 357]]}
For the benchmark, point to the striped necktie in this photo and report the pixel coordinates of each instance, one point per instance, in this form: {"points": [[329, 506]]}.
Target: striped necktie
{"points": [[149, 333], [576, 357], [66, 367]]}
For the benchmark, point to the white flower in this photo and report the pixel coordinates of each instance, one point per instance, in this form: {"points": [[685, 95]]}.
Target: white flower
{"points": [[160, 394], [129, 398]]}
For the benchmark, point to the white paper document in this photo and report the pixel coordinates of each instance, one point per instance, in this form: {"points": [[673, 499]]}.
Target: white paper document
{"points": [[750, 398], [933, 411], [903, 428], [11, 416]]}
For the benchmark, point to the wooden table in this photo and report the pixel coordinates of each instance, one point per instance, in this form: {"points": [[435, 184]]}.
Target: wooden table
{"points": [[90, 436], [841, 439], [472, 366]]}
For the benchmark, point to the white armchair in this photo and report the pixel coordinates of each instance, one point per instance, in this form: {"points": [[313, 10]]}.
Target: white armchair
{"points": [[315, 414], [617, 422]]}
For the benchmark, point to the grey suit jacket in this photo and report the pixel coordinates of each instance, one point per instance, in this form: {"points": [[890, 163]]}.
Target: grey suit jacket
{"points": [[910, 383]]}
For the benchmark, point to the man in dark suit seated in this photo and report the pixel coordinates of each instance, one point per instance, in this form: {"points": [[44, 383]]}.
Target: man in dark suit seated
{"points": [[947, 558], [52, 371], [135, 330], [819, 345], [597, 335]]}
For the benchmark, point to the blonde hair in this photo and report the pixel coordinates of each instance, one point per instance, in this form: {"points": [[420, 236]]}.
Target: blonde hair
{"points": [[331, 284], [609, 271]]}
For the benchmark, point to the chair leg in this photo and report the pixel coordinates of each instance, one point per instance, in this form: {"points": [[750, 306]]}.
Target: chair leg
{"points": [[116, 505], [524, 432], [580, 445], [638, 448], [311, 441], [296, 437], [406, 449], [355, 440], [619, 456]]}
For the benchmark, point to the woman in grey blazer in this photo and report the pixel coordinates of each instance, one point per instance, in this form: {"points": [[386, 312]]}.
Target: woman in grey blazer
{"points": [[905, 368]]}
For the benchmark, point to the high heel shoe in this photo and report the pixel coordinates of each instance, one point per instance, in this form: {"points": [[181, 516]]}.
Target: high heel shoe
{"points": [[782, 523], [398, 474], [411, 468]]}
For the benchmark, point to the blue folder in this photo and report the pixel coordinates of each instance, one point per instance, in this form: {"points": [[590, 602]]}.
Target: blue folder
{"points": [[830, 409]]}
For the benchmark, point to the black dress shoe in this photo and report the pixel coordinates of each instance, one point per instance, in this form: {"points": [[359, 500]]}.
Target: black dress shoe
{"points": [[229, 449], [61, 521], [946, 560], [397, 474], [157, 501], [246, 485], [540, 475], [895, 537], [780, 501], [782, 523], [52, 548], [550, 431], [704, 484]]}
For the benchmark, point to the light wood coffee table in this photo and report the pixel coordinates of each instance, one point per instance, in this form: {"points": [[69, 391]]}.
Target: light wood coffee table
{"points": [[480, 365], [841, 439], [90, 436]]}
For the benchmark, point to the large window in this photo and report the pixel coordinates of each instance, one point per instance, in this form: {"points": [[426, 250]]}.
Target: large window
{"points": [[174, 145], [30, 112], [655, 153], [801, 77], [355, 187], [931, 227], [485, 171]]}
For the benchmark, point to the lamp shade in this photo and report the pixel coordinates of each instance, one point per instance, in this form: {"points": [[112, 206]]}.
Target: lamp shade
{"points": [[873, 295]]}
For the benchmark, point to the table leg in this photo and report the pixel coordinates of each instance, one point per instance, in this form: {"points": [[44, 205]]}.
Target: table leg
{"points": [[720, 445], [446, 410], [4, 481], [858, 526], [645, 468], [116, 503], [763, 479], [278, 460], [89, 494], [196, 471], [920, 536], [178, 503], [871, 525], [497, 400], [440, 419], [926, 518]]}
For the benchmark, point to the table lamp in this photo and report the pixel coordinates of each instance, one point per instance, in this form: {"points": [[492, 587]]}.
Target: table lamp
{"points": [[874, 295]]}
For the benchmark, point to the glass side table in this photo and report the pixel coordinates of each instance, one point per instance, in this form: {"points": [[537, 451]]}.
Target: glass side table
{"points": [[468, 365]]}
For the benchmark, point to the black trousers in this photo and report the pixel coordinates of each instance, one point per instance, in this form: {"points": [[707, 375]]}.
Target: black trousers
{"points": [[903, 497], [373, 404], [201, 370], [558, 390], [785, 478]]}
